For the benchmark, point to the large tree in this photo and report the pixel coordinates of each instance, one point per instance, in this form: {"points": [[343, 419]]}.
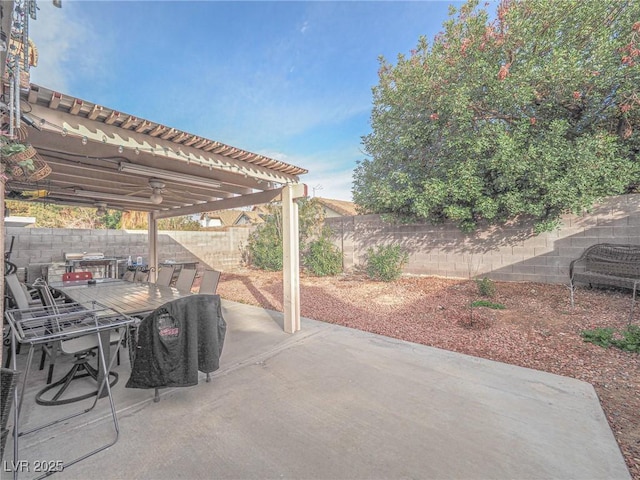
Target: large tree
{"points": [[535, 112]]}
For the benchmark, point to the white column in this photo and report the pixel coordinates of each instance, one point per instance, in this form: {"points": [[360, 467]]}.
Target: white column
{"points": [[153, 246], [290, 263]]}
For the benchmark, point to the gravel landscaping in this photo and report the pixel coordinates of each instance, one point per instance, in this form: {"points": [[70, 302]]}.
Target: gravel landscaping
{"points": [[537, 329]]}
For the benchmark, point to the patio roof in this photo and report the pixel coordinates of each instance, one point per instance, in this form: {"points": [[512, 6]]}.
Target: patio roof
{"points": [[108, 159], [102, 156]]}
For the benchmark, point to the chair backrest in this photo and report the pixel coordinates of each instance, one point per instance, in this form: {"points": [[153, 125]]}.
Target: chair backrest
{"points": [[209, 281], [70, 276], [185, 279], [165, 275], [141, 275], [46, 296], [17, 292]]}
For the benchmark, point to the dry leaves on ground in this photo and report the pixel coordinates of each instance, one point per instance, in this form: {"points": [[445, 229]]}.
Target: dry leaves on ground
{"points": [[538, 329]]}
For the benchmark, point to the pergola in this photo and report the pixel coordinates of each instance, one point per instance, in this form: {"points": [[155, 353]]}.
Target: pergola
{"points": [[103, 158]]}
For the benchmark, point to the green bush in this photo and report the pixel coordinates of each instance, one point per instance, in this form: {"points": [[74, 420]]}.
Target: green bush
{"points": [[488, 304], [486, 287], [265, 247], [628, 339], [323, 258], [385, 262]]}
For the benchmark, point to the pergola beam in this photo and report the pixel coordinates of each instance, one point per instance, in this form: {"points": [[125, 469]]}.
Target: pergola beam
{"points": [[234, 202]]}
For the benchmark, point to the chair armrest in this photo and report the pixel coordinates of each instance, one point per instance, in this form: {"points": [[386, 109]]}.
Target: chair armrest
{"points": [[572, 265]]}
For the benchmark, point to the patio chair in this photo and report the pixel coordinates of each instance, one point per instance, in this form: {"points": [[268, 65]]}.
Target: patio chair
{"points": [[209, 282], [21, 299], [82, 348], [129, 275], [142, 274], [176, 341], [165, 275], [136, 274], [185, 279]]}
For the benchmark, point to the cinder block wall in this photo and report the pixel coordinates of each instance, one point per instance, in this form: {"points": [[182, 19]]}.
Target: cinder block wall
{"points": [[220, 249], [510, 253]]}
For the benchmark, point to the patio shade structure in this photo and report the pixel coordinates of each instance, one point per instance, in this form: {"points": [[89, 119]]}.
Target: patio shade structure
{"points": [[103, 158]]}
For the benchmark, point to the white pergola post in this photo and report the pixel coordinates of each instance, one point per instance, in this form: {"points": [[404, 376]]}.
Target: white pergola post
{"points": [[153, 246], [291, 263]]}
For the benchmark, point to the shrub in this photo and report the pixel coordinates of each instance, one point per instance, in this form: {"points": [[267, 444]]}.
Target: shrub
{"points": [[265, 247], [486, 303], [486, 287], [385, 262], [628, 339], [323, 257]]}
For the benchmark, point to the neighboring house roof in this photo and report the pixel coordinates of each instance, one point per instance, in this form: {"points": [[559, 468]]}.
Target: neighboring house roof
{"points": [[261, 210], [342, 207], [233, 217]]}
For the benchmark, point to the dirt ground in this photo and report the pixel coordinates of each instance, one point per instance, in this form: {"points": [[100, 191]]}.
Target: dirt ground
{"points": [[538, 328]]}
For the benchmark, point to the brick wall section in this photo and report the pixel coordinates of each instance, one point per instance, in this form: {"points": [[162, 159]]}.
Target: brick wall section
{"points": [[219, 249], [510, 253]]}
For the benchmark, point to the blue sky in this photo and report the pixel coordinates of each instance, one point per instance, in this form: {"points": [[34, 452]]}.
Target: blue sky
{"points": [[290, 80]]}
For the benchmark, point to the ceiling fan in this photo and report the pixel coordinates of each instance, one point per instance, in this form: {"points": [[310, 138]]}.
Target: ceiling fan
{"points": [[156, 193], [158, 187]]}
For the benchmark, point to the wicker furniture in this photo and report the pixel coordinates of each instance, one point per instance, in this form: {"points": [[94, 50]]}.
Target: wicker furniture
{"points": [[608, 264]]}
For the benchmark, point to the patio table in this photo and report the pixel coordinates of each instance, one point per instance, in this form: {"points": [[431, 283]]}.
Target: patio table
{"points": [[136, 299], [131, 298]]}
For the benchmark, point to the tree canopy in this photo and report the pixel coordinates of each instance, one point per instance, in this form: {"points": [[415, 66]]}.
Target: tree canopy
{"points": [[532, 111]]}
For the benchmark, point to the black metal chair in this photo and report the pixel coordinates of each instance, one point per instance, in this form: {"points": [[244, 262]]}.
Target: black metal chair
{"points": [[8, 381]]}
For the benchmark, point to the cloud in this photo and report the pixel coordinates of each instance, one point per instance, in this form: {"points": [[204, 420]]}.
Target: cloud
{"points": [[330, 171], [336, 186], [63, 40]]}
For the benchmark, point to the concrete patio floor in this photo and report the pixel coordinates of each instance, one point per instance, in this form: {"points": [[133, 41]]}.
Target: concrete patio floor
{"points": [[330, 402]]}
